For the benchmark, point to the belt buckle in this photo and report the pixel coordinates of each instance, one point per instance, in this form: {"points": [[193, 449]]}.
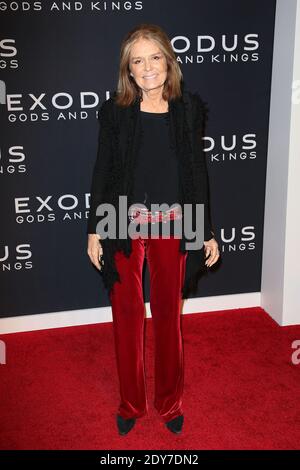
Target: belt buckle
{"points": [[142, 215]]}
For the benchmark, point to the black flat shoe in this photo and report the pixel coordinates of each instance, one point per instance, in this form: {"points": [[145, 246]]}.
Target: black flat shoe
{"points": [[175, 425], [124, 425]]}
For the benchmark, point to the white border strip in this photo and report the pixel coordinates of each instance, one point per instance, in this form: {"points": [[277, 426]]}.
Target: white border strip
{"points": [[45, 321]]}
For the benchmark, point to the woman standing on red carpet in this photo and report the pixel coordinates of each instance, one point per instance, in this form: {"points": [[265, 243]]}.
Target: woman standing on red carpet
{"points": [[150, 150]]}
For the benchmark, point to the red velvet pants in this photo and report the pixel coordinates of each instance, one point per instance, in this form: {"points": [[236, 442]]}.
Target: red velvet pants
{"points": [[166, 266]]}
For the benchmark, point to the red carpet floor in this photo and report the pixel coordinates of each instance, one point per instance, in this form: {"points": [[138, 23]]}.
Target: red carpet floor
{"points": [[59, 388]]}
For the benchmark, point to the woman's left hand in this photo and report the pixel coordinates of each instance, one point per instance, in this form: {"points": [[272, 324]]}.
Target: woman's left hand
{"points": [[212, 253]]}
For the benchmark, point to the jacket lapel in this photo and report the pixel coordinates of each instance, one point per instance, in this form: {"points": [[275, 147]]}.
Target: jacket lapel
{"points": [[128, 130]]}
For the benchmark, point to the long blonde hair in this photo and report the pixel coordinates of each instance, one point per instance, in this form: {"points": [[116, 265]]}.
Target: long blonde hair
{"points": [[127, 89]]}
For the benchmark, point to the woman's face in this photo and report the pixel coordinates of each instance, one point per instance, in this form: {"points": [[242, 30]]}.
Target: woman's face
{"points": [[147, 64]]}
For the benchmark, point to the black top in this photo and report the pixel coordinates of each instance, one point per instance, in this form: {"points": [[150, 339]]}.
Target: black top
{"points": [[156, 172]]}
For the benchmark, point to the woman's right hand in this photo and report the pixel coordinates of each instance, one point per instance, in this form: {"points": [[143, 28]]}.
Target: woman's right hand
{"points": [[94, 249]]}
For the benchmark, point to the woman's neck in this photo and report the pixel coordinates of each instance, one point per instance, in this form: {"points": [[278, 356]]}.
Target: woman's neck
{"points": [[159, 108]]}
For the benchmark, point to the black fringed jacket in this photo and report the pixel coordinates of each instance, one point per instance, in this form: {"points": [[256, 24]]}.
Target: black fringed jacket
{"points": [[118, 146]]}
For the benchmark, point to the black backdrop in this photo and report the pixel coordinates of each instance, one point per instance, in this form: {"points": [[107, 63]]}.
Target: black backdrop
{"points": [[57, 65]]}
